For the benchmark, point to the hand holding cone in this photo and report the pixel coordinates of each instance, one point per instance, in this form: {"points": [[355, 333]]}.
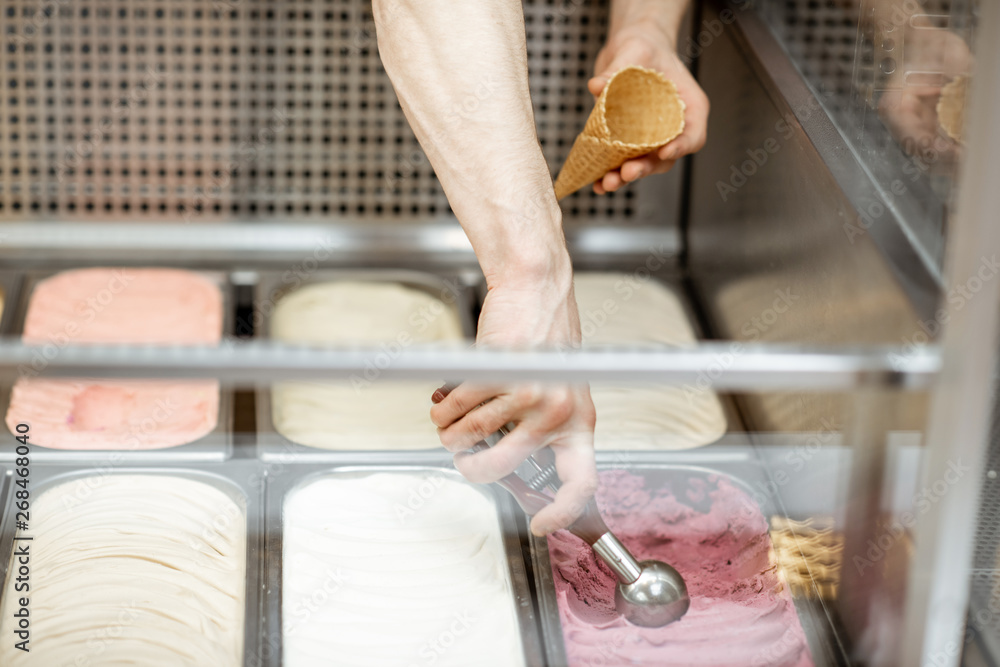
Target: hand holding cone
{"points": [[638, 111]]}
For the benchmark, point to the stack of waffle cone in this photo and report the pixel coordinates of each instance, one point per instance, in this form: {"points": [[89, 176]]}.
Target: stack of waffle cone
{"points": [[637, 112]]}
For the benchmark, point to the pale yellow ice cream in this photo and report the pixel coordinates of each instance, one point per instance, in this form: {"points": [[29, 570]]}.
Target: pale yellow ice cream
{"points": [[625, 309], [131, 570], [366, 411], [395, 569]]}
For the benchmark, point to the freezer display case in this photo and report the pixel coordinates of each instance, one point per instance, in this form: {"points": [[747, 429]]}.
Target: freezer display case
{"points": [[232, 283]]}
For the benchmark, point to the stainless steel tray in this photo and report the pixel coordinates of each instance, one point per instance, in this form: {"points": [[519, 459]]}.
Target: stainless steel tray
{"points": [[741, 466], [239, 480], [289, 478], [215, 446], [271, 287], [10, 286]]}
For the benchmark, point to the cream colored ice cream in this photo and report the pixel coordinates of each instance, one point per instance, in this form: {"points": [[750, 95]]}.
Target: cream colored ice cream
{"points": [[131, 570], [108, 306], [617, 309], [395, 569], [365, 412]]}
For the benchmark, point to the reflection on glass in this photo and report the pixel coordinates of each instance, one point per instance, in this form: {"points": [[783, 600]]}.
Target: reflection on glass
{"points": [[894, 75]]}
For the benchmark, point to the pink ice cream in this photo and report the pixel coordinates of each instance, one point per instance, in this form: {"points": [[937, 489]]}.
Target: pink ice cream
{"points": [[716, 537], [108, 306]]}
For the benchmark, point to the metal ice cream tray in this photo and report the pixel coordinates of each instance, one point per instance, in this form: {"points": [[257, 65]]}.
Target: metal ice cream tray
{"points": [[217, 445], [241, 481], [283, 480], [741, 467], [271, 287], [10, 286]]}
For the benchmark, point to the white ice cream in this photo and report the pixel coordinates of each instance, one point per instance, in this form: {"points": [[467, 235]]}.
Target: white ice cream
{"points": [[132, 570], [367, 411], [621, 309], [395, 569]]}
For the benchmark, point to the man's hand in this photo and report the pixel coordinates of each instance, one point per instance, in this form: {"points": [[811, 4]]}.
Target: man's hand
{"points": [[910, 109], [649, 45], [537, 311]]}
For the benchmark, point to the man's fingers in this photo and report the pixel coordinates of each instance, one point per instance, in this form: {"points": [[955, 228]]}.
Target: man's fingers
{"points": [[578, 473], [478, 423], [636, 168], [569, 504], [612, 181], [462, 399], [632, 170], [695, 132], [502, 459], [596, 85]]}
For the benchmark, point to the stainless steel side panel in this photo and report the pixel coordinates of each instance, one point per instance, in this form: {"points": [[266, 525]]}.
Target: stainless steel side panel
{"points": [[776, 248]]}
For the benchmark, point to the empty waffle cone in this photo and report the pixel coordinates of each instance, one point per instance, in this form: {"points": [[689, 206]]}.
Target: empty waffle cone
{"points": [[951, 108], [638, 111]]}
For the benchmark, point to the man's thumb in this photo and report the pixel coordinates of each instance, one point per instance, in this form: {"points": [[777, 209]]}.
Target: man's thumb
{"points": [[597, 83], [620, 61]]}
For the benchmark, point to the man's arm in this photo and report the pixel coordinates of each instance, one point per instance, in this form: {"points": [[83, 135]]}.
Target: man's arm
{"points": [[460, 72]]}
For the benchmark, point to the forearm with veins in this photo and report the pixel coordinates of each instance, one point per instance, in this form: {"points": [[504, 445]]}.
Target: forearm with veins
{"points": [[460, 72]]}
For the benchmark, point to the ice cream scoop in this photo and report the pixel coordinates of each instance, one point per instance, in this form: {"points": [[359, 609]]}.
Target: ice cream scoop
{"points": [[650, 593]]}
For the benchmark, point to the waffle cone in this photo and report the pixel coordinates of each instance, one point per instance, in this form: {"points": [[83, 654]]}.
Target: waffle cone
{"points": [[638, 111], [951, 108]]}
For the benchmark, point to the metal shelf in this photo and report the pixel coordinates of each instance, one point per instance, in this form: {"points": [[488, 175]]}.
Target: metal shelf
{"points": [[724, 365]]}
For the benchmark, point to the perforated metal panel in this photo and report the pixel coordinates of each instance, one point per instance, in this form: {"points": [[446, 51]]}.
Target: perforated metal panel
{"points": [[984, 611], [242, 109]]}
